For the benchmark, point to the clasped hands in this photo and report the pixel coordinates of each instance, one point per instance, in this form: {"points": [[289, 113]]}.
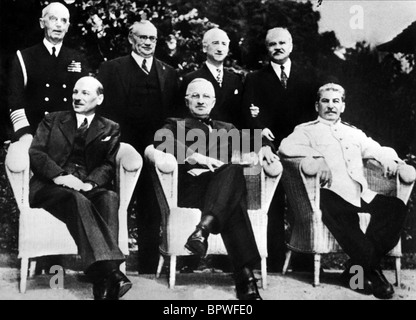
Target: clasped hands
{"points": [[72, 182]]}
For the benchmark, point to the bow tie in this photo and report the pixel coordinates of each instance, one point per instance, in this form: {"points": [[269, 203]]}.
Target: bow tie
{"points": [[207, 121]]}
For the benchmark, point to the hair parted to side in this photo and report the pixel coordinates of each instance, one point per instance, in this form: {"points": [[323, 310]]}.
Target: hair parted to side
{"points": [[45, 10], [141, 23], [331, 87], [278, 30], [199, 80], [208, 34]]}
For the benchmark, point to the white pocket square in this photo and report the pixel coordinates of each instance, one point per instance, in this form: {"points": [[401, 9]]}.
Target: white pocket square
{"points": [[106, 139]]}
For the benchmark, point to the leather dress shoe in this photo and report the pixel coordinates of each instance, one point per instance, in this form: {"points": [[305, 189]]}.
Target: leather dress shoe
{"points": [[345, 280], [246, 285], [112, 287], [381, 288], [197, 242]]}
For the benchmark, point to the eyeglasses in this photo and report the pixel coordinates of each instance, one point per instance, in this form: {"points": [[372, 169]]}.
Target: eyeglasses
{"points": [[144, 38], [197, 96]]}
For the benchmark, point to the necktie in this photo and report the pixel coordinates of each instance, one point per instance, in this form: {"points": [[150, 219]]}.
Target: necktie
{"points": [[207, 121], [283, 77], [83, 127], [53, 52], [144, 66], [219, 79]]}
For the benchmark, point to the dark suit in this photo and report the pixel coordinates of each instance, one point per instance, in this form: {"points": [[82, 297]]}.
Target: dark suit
{"points": [[49, 83], [221, 193], [91, 217], [140, 103], [228, 96], [280, 111]]}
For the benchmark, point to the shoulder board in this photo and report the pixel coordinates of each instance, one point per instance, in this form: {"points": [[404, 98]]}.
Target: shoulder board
{"points": [[348, 124], [308, 123]]}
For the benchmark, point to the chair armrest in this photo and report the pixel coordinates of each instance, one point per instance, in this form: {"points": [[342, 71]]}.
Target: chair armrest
{"points": [[270, 177], [17, 165], [164, 170]]}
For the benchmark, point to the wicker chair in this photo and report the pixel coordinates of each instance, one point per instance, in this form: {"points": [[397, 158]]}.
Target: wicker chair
{"points": [[40, 233], [178, 223], [309, 234]]}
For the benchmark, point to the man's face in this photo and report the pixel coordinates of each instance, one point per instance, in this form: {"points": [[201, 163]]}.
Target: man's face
{"points": [[279, 45], [217, 47], [55, 23], [330, 105], [143, 40], [200, 99], [85, 97]]}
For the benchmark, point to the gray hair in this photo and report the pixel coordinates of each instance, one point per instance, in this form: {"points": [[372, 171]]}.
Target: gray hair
{"points": [[210, 33], [331, 87], [46, 10]]}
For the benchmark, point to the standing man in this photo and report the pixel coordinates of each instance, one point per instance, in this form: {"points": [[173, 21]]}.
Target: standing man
{"points": [[220, 191], [276, 99], [141, 94], [73, 156], [341, 149], [42, 76], [227, 85]]}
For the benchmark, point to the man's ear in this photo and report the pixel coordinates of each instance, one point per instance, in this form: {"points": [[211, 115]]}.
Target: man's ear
{"points": [[343, 107], [204, 48], [42, 23], [100, 99], [317, 106]]}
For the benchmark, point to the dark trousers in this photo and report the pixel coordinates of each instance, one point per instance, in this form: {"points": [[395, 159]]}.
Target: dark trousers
{"points": [[223, 194], [91, 218], [387, 218]]}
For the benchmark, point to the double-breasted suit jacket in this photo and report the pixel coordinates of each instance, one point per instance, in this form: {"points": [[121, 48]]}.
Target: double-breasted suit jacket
{"points": [[41, 84], [53, 143], [228, 97]]}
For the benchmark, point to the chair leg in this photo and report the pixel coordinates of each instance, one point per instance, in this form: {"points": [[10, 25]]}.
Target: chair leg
{"points": [[172, 272], [264, 273], [160, 265], [32, 268], [317, 269], [24, 264], [287, 261], [398, 272]]}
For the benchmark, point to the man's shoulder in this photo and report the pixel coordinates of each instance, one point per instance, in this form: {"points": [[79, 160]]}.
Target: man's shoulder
{"points": [[117, 61], [107, 122], [349, 125], [164, 65], [308, 124]]}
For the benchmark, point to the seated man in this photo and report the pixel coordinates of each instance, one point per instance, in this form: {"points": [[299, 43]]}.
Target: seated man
{"points": [[341, 149], [73, 156], [219, 191]]}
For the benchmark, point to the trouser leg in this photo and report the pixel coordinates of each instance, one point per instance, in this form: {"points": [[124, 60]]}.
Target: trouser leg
{"points": [[341, 218], [386, 224], [89, 230]]}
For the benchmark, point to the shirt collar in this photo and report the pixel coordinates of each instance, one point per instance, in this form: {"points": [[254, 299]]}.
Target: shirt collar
{"points": [[213, 69], [81, 117], [329, 123], [49, 46], [139, 60], [278, 70]]}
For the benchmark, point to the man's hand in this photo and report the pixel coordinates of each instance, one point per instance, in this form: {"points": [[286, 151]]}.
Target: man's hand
{"points": [[208, 162], [254, 110], [268, 154], [389, 167], [69, 181], [267, 133], [87, 187], [325, 174]]}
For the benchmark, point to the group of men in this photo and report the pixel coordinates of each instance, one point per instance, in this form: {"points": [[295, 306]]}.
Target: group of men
{"points": [[73, 151]]}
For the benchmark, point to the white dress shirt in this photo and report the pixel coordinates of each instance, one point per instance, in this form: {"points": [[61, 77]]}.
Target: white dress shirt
{"points": [[139, 61], [278, 70], [49, 46]]}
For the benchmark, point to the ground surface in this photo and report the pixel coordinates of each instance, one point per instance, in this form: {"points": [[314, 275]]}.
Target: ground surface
{"points": [[195, 286]]}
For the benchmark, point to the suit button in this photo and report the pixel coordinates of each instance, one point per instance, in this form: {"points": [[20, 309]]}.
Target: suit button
{"points": [[65, 99], [48, 85], [46, 99], [64, 86]]}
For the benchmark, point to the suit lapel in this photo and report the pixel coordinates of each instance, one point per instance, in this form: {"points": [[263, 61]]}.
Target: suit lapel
{"points": [[161, 73], [68, 126], [94, 130]]}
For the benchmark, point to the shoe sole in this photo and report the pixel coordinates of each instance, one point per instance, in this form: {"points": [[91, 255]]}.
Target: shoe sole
{"points": [[123, 289]]}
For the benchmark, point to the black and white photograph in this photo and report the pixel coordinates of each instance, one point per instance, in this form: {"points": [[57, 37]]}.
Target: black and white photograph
{"points": [[207, 151]]}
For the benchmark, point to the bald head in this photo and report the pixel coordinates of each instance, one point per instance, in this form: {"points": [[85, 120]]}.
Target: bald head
{"points": [[54, 6]]}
